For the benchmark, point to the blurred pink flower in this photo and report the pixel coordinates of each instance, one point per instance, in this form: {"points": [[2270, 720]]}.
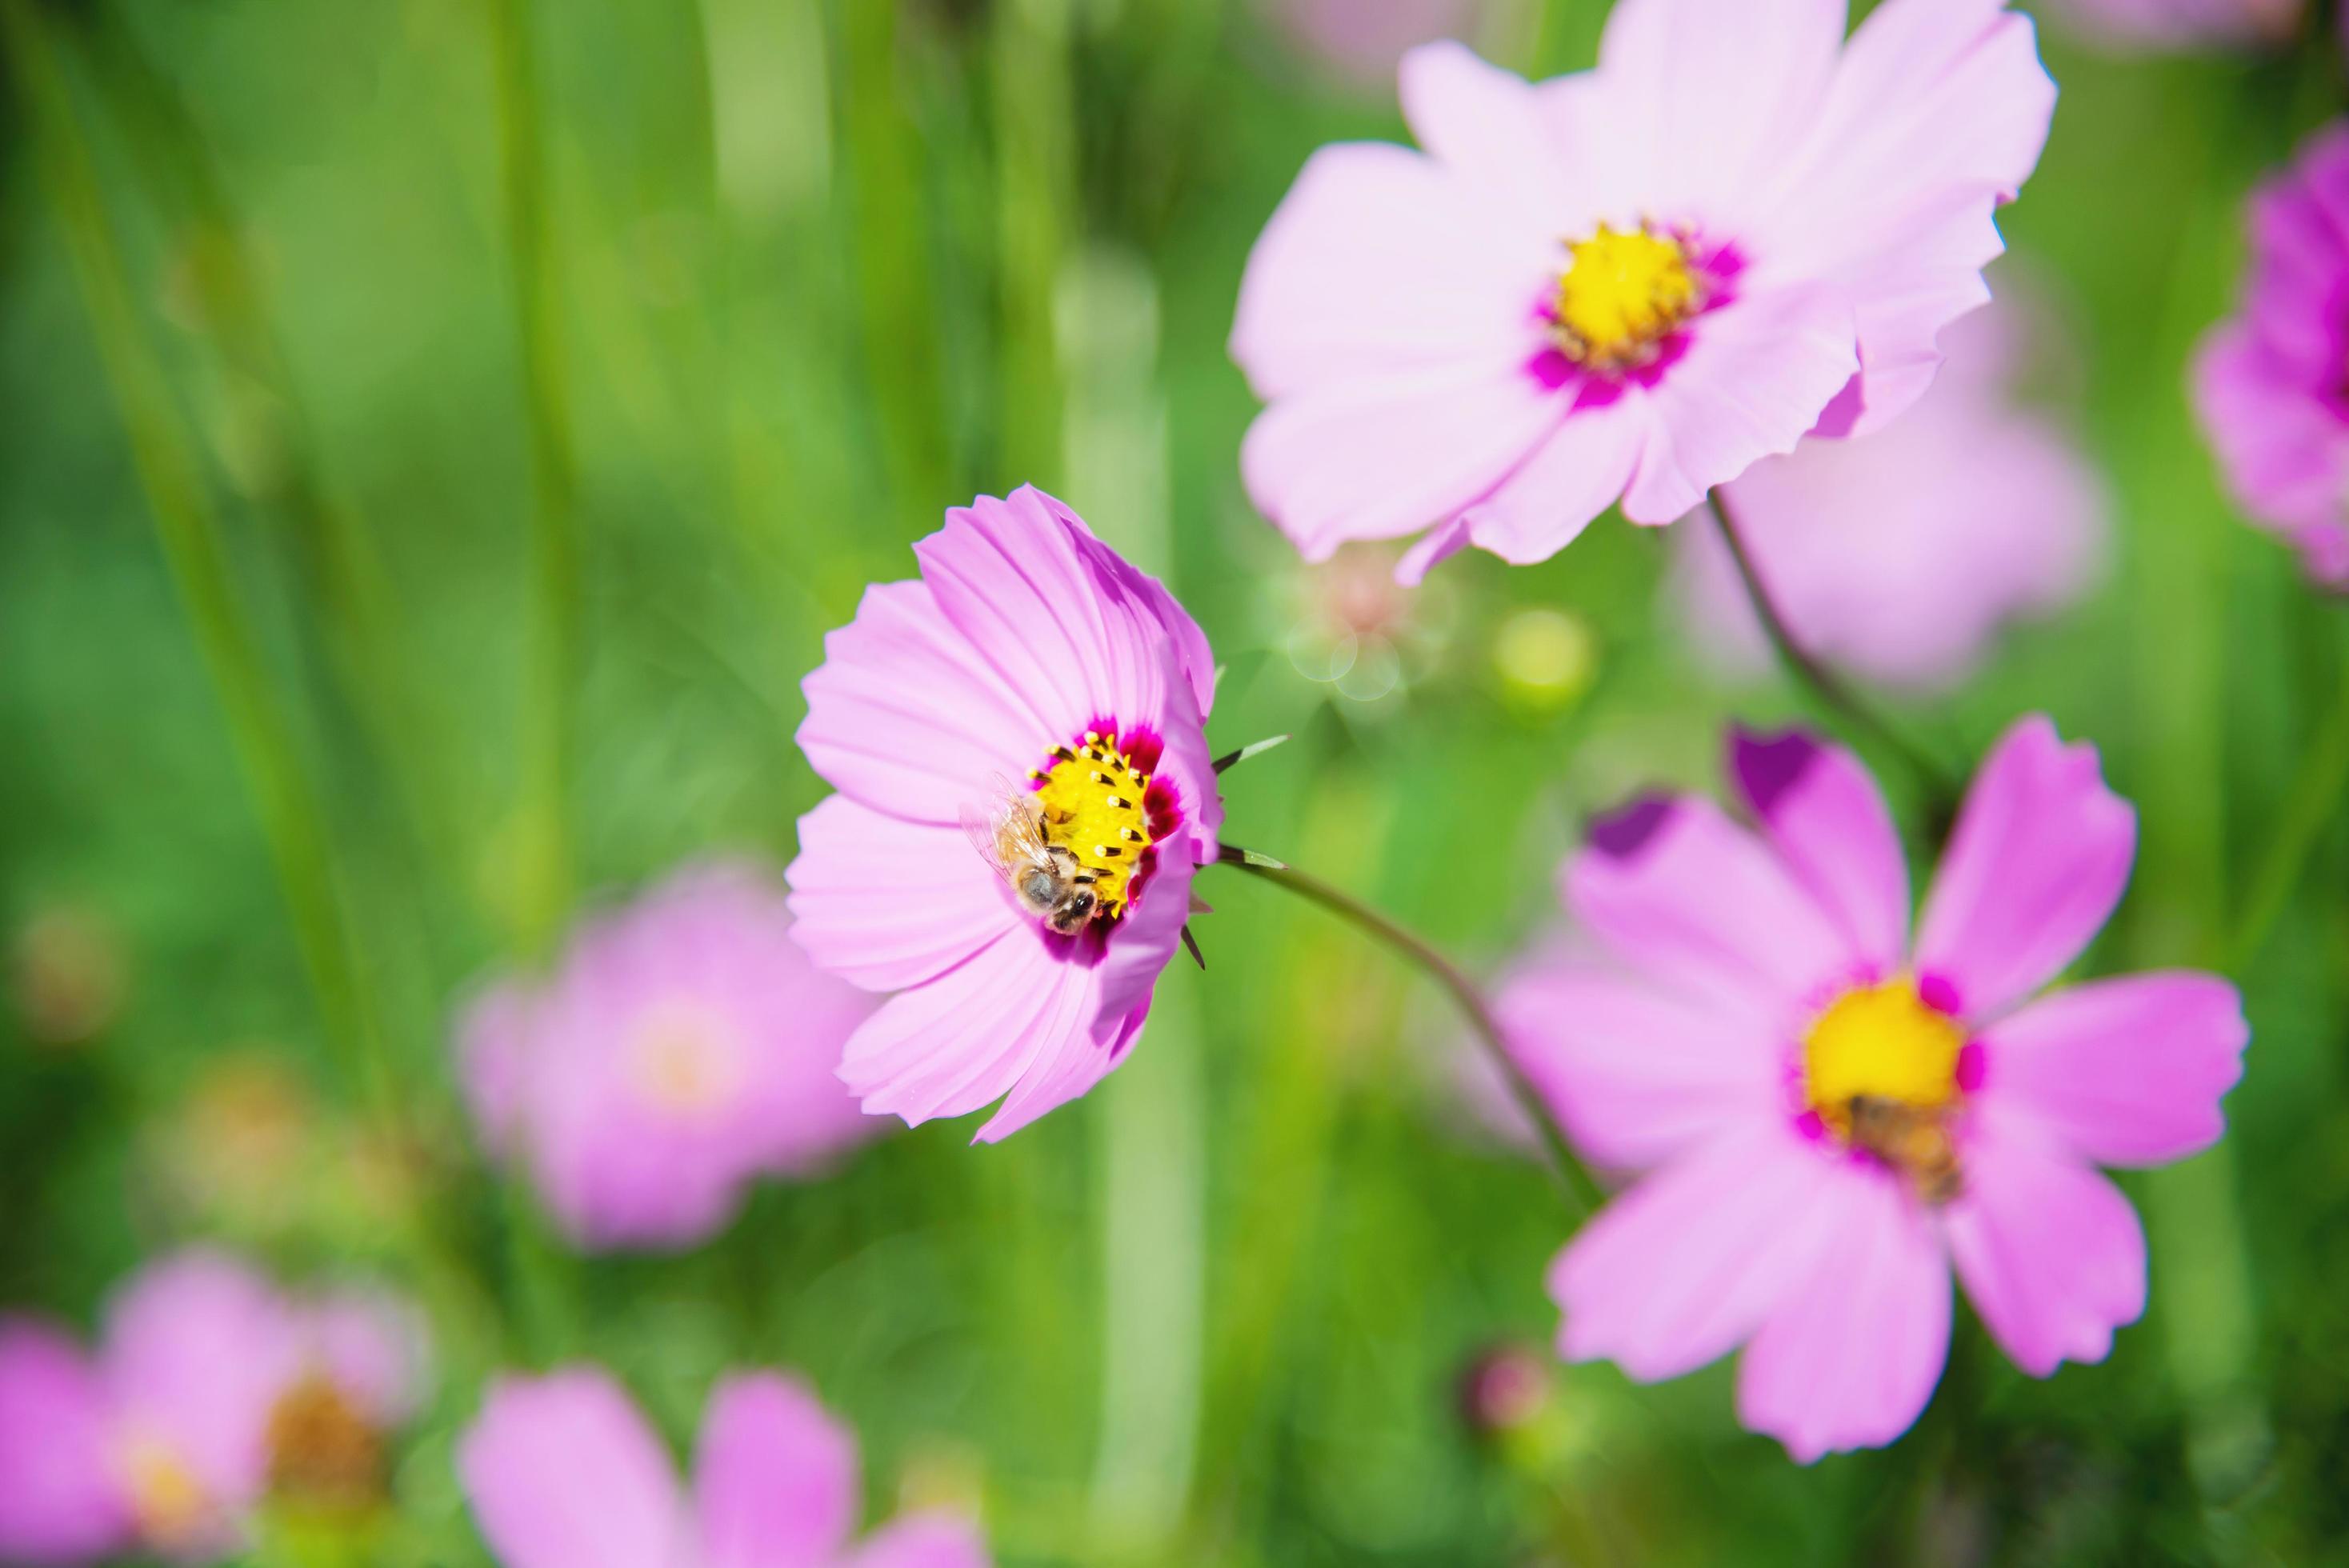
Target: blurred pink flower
{"points": [[204, 1385], [1833, 1117], [1362, 39], [1633, 283], [1030, 670], [684, 1045], [2268, 382], [2179, 23], [563, 1472], [1900, 556]]}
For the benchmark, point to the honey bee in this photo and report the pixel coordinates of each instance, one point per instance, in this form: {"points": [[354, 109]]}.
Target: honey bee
{"points": [[1048, 880], [1913, 1139]]}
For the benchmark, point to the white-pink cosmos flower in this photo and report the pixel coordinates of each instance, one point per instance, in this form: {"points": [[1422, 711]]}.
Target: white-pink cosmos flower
{"points": [[1832, 1114], [1028, 677], [1630, 282]]}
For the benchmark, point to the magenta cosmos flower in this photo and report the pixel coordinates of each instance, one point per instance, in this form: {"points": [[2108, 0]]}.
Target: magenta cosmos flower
{"points": [[563, 1472], [210, 1391], [685, 1047], [1017, 739], [1900, 556], [1633, 283], [2268, 383], [1832, 1115]]}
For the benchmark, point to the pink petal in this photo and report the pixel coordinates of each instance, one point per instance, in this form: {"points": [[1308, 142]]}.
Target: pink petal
{"points": [[972, 1035], [1680, 894], [886, 903], [1379, 259], [1486, 127], [1755, 376], [1825, 816], [2127, 1071], [923, 1540], [58, 1499], [774, 1477], [1577, 473], [1680, 1270], [1012, 578], [904, 719], [2040, 853], [1853, 1351], [2049, 1251], [1938, 111], [197, 1350], [563, 1472], [1711, 98], [1379, 456], [1636, 1074], [493, 1033], [375, 1346]]}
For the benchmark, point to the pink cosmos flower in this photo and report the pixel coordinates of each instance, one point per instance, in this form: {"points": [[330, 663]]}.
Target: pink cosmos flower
{"points": [[2180, 23], [1832, 1115], [1900, 556], [210, 1391], [1633, 283], [563, 1472], [685, 1047], [1019, 742], [2268, 383]]}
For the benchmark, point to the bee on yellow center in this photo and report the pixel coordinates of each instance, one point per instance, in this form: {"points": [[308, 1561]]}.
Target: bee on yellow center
{"points": [[1880, 1071], [1069, 844], [1622, 294]]}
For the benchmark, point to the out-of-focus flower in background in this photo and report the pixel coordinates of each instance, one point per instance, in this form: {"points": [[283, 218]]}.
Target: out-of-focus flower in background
{"points": [[1353, 628], [1031, 701], [1832, 1117], [1361, 41], [68, 976], [2179, 23], [2268, 382], [684, 1046], [1630, 283], [1900, 556], [210, 1392], [564, 1472]]}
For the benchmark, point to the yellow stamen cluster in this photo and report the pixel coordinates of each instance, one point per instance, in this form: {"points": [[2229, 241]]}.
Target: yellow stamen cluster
{"points": [[679, 1061], [1881, 1043], [1622, 293], [1092, 798], [168, 1501]]}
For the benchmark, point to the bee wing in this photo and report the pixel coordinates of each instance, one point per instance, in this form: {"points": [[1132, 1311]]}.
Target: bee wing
{"points": [[1004, 828]]}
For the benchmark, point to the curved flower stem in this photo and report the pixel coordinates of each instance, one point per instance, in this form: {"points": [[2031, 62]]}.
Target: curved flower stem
{"points": [[1574, 1180], [1824, 683], [2316, 794]]}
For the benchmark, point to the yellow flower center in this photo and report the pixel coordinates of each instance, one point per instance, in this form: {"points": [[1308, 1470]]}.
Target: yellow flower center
{"points": [[1880, 1042], [168, 1501], [680, 1059], [1880, 1071], [1622, 293], [1092, 802]]}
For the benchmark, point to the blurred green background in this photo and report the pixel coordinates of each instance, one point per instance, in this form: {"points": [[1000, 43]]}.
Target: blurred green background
{"points": [[438, 437]]}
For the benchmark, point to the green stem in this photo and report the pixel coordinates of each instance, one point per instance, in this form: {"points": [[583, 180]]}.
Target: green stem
{"points": [[293, 815], [2315, 797], [1823, 683], [1582, 1192], [546, 820]]}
